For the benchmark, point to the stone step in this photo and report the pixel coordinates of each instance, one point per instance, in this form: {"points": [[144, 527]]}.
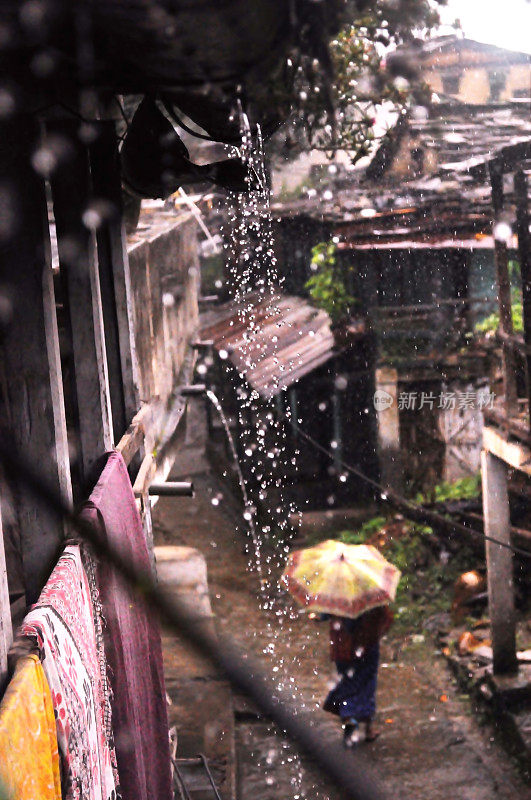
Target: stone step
{"points": [[201, 705]]}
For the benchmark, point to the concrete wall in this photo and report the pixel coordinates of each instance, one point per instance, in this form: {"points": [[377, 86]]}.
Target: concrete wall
{"points": [[164, 266], [403, 164], [474, 84]]}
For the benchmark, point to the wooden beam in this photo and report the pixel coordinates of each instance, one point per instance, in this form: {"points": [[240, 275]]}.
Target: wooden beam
{"points": [[131, 442], [147, 523], [72, 193], [499, 564], [515, 341], [140, 435], [146, 474], [507, 425], [501, 261], [114, 273], [524, 258], [514, 454], [33, 390], [519, 536]]}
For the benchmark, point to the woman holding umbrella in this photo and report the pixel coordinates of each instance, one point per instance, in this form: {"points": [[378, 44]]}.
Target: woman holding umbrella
{"points": [[354, 646], [352, 585]]}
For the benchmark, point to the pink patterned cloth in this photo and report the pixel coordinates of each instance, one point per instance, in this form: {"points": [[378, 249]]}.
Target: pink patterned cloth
{"points": [[132, 643], [64, 621]]}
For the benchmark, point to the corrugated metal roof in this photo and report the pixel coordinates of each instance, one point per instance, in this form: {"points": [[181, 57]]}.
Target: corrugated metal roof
{"points": [[446, 193], [272, 342]]}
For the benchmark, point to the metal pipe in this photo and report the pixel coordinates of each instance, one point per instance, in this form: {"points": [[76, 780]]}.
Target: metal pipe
{"points": [[172, 489], [193, 390]]}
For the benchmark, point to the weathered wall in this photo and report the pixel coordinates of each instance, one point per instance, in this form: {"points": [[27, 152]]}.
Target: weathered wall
{"points": [[474, 83], [164, 269]]}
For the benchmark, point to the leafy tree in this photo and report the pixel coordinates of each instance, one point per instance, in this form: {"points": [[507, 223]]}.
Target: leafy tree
{"points": [[327, 287], [334, 97]]}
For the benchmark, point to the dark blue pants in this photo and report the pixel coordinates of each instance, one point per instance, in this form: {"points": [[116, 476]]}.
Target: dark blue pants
{"points": [[355, 694]]}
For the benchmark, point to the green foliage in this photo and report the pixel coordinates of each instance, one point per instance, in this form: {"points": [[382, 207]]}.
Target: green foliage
{"points": [[425, 587], [367, 530], [491, 323], [462, 489], [327, 287], [335, 97]]}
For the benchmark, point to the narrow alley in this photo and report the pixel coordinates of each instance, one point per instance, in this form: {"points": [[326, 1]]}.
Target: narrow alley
{"points": [[431, 744], [265, 400]]}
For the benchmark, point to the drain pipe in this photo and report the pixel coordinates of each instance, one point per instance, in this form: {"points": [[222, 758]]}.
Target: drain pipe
{"points": [[172, 489]]}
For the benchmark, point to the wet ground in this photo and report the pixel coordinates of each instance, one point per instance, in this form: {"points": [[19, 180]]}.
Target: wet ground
{"points": [[432, 744]]}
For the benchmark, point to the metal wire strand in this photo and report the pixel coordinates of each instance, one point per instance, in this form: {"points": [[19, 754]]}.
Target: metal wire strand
{"points": [[410, 510]]}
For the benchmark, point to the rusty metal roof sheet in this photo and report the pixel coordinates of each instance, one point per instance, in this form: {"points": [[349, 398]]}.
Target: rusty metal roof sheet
{"points": [[408, 242], [272, 342], [448, 196]]}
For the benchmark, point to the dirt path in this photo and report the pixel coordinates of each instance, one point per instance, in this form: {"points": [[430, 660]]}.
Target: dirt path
{"points": [[431, 744]]}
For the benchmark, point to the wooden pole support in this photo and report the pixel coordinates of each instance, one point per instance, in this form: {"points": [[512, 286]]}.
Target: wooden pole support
{"points": [[501, 260], [499, 563], [524, 257], [115, 278], [76, 222], [32, 397]]}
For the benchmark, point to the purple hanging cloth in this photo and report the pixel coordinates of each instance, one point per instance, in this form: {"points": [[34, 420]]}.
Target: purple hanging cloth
{"points": [[132, 643]]}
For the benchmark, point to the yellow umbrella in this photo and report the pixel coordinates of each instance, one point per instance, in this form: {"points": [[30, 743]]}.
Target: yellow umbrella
{"points": [[341, 579]]}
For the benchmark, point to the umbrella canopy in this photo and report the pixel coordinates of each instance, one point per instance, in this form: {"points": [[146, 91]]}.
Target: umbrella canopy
{"points": [[341, 579]]}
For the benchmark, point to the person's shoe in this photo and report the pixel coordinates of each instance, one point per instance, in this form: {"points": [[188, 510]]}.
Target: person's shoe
{"points": [[371, 733], [351, 733]]}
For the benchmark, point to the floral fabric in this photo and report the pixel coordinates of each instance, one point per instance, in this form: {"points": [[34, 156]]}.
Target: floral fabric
{"points": [[29, 760], [63, 620]]}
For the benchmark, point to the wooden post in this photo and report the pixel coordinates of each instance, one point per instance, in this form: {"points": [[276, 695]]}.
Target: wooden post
{"points": [[33, 391], [388, 421], [524, 258], [115, 279], [6, 631], [147, 524], [499, 563], [71, 192], [504, 294]]}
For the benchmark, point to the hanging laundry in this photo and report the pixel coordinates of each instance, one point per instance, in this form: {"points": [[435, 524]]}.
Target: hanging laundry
{"points": [[29, 759], [132, 643], [63, 621]]}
